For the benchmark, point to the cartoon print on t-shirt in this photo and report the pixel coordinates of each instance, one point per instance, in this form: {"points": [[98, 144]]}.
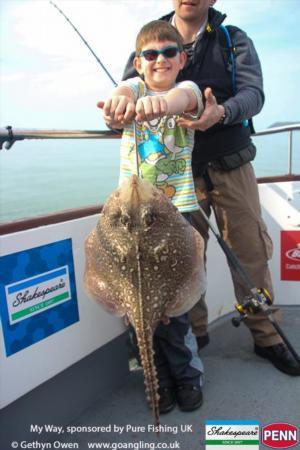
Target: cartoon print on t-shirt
{"points": [[159, 143]]}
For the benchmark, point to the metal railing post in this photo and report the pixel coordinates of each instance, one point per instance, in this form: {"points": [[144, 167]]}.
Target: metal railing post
{"points": [[290, 151]]}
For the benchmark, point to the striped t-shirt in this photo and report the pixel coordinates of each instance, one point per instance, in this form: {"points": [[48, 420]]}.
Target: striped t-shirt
{"points": [[164, 151]]}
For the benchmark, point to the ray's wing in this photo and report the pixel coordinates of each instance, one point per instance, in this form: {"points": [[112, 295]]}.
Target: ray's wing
{"points": [[194, 286], [97, 279]]}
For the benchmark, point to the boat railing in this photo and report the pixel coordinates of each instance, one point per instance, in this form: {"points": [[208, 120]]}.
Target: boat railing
{"points": [[280, 129], [9, 135]]}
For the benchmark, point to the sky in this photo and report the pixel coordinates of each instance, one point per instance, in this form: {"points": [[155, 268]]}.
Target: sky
{"points": [[49, 79]]}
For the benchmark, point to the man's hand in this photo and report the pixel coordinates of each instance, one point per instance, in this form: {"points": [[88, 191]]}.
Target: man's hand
{"points": [[211, 115]]}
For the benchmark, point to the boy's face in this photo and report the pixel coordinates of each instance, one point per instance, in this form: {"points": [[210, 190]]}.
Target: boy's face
{"points": [[160, 73]]}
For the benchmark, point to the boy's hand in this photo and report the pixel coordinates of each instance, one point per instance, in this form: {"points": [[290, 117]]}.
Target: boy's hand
{"points": [[110, 122], [149, 108], [119, 108]]}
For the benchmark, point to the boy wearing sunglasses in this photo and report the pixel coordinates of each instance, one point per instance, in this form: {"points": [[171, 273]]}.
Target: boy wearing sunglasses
{"points": [[155, 101]]}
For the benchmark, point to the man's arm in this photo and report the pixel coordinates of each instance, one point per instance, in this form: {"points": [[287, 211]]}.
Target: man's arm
{"points": [[249, 98]]}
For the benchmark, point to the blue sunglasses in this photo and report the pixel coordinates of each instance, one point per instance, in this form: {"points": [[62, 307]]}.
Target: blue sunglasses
{"points": [[152, 55]]}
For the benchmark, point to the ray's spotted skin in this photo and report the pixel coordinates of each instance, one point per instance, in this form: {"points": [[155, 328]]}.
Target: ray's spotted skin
{"points": [[144, 260]]}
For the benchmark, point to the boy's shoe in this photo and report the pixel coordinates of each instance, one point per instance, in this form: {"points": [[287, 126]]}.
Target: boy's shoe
{"points": [[280, 357], [189, 397], [202, 341], [167, 399]]}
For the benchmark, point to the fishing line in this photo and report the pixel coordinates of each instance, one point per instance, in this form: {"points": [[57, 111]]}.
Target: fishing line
{"points": [[137, 163], [85, 42]]}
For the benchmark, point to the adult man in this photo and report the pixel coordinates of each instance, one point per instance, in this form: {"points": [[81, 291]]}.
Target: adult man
{"points": [[223, 174]]}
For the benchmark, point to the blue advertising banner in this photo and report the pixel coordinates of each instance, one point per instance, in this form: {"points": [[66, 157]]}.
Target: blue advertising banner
{"points": [[37, 294]]}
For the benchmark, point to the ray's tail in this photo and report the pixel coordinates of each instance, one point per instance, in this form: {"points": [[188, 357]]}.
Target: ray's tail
{"points": [[145, 343]]}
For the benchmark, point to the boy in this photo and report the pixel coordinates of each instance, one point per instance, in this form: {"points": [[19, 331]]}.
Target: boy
{"points": [[164, 159]]}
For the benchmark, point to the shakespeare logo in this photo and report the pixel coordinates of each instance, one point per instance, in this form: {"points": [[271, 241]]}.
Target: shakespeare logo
{"points": [[232, 434], [37, 294], [280, 435], [33, 295]]}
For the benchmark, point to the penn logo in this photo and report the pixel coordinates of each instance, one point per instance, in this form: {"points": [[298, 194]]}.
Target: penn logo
{"points": [[280, 435], [294, 253]]}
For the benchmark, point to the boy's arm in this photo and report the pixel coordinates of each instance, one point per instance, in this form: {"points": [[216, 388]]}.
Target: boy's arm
{"points": [[120, 106], [186, 97], [181, 99]]}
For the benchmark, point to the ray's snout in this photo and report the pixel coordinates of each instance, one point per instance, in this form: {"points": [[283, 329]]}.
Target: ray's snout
{"points": [[135, 191], [134, 181]]}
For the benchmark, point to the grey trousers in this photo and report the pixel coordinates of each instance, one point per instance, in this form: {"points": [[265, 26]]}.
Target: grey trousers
{"points": [[235, 202]]}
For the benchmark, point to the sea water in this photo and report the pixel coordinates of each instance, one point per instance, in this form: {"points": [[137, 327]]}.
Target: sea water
{"points": [[43, 176]]}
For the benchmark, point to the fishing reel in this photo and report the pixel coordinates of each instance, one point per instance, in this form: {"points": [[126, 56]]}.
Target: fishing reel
{"points": [[252, 304]]}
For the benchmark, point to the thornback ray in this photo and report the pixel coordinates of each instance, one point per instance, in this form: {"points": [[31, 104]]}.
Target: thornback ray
{"points": [[145, 261]]}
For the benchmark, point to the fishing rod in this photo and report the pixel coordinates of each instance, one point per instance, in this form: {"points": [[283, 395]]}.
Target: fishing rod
{"points": [[103, 67], [85, 42]]}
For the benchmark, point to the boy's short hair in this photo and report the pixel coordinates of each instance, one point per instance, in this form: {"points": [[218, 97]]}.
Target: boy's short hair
{"points": [[157, 30]]}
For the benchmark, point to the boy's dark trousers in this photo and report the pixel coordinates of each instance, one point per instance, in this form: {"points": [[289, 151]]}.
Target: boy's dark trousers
{"points": [[176, 358]]}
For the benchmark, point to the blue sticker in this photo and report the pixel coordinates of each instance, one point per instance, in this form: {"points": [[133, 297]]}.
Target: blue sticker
{"points": [[37, 294]]}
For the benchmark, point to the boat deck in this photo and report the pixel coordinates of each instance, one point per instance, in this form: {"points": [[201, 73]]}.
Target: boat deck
{"points": [[239, 385]]}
